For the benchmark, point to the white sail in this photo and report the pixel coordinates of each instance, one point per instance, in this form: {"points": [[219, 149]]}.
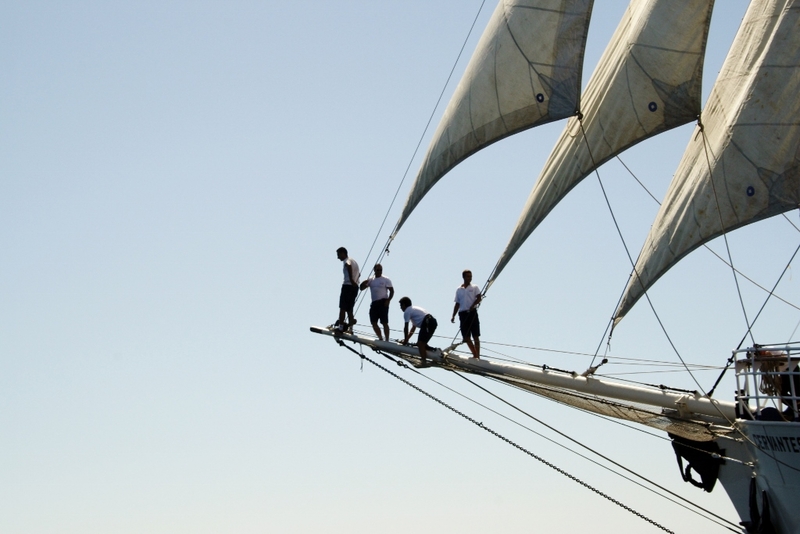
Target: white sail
{"points": [[526, 71], [745, 164], [648, 81]]}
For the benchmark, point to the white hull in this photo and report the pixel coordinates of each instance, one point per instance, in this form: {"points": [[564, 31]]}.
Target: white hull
{"points": [[772, 450]]}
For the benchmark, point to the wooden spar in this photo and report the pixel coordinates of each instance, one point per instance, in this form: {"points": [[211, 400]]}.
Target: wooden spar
{"points": [[684, 403]]}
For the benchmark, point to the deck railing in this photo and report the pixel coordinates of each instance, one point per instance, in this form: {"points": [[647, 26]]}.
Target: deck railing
{"points": [[768, 383]]}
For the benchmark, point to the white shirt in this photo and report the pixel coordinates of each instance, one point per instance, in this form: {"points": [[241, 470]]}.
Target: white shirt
{"points": [[415, 315], [379, 287], [356, 272], [466, 296]]}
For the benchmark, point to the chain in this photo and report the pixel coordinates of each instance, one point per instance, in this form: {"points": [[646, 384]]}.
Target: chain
{"points": [[507, 440]]}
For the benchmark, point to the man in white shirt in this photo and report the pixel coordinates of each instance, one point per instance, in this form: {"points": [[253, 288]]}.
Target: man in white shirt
{"points": [[468, 297], [347, 297], [419, 318], [382, 292]]}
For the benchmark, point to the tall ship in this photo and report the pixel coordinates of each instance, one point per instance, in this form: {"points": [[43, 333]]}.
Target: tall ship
{"points": [[741, 167]]}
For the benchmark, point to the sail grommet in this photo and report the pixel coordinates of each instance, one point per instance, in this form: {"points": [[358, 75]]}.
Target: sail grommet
{"points": [[539, 97], [652, 106], [751, 190]]}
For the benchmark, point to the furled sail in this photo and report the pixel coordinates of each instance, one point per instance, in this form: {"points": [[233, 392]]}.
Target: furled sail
{"points": [[648, 81], [744, 164], [526, 71]]}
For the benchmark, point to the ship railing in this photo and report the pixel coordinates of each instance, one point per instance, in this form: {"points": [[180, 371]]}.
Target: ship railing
{"points": [[768, 383]]}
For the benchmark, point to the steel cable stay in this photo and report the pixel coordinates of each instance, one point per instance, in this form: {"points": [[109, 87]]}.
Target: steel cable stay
{"points": [[659, 386], [708, 157], [389, 240], [640, 362], [712, 251], [609, 328], [771, 293], [503, 438], [628, 362], [589, 412], [665, 388], [720, 519], [565, 436], [736, 272], [736, 275]]}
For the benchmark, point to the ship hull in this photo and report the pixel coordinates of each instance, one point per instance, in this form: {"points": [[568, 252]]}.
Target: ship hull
{"points": [[771, 455]]}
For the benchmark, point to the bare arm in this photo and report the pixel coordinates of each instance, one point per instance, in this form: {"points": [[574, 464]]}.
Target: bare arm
{"points": [[408, 333]]}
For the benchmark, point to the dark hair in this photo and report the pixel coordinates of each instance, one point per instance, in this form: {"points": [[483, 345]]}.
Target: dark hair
{"points": [[342, 250], [465, 272], [405, 300]]}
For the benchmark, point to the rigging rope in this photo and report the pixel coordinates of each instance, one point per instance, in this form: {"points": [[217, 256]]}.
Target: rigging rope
{"points": [[419, 143], [642, 362], [632, 262], [786, 268], [708, 248], [385, 249], [749, 325], [721, 519], [770, 292], [606, 458], [507, 440], [714, 517]]}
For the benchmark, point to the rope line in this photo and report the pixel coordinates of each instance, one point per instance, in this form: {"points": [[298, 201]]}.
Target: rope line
{"points": [[708, 248], [772, 292], [510, 442], [722, 520], [619, 360], [606, 458], [702, 134], [419, 143], [633, 265], [391, 237]]}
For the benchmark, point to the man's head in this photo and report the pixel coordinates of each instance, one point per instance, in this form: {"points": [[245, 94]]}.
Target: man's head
{"points": [[467, 276], [378, 269], [341, 253], [405, 302]]}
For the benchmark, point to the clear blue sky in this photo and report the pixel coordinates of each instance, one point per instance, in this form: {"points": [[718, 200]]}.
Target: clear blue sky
{"points": [[175, 178]]}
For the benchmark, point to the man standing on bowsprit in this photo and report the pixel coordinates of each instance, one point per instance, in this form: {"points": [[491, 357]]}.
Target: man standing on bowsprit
{"points": [[468, 297], [347, 298], [382, 292]]}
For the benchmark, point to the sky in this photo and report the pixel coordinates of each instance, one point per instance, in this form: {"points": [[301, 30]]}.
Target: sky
{"points": [[175, 179]]}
